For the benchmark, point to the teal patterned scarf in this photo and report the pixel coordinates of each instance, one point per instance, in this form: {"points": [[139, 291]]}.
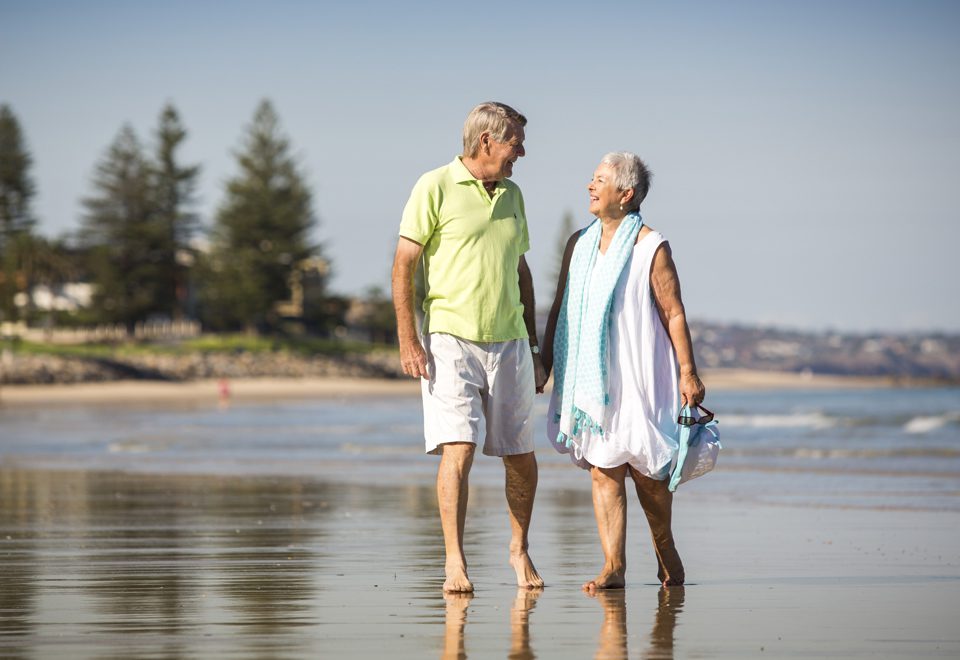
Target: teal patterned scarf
{"points": [[583, 329]]}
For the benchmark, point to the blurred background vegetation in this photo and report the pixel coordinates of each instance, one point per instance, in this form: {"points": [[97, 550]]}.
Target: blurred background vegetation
{"points": [[144, 272]]}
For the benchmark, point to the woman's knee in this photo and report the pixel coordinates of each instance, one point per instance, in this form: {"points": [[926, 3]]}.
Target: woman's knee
{"points": [[607, 477]]}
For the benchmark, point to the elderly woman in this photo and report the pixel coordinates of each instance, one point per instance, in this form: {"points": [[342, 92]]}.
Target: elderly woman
{"points": [[618, 342]]}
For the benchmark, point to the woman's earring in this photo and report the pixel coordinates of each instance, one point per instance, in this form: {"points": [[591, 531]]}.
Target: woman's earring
{"points": [[621, 207]]}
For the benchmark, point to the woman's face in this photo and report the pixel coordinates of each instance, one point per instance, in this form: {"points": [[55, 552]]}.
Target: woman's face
{"points": [[605, 199]]}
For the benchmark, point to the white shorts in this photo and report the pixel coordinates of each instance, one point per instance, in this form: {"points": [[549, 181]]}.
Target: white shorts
{"points": [[470, 380]]}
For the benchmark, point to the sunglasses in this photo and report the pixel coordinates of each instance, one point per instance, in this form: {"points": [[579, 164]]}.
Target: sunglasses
{"points": [[705, 418]]}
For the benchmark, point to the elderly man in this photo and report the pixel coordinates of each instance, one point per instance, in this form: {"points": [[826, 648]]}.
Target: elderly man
{"points": [[465, 225]]}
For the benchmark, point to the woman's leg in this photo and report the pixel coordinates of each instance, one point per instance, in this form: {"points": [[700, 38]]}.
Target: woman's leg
{"points": [[657, 503], [610, 508]]}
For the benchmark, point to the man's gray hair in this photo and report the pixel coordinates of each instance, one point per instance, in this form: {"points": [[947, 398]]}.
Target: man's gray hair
{"points": [[629, 172], [497, 118]]}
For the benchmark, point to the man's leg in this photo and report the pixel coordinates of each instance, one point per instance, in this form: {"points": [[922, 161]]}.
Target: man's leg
{"points": [[657, 502], [610, 509], [521, 487], [452, 490]]}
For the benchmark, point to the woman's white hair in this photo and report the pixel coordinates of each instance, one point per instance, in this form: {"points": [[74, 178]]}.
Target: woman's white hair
{"points": [[497, 118], [629, 172]]}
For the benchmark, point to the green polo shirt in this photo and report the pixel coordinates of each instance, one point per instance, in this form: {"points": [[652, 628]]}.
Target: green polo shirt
{"points": [[472, 244]]}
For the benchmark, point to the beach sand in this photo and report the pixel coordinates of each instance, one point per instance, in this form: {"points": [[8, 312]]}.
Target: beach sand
{"points": [[239, 389], [301, 388], [113, 565]]}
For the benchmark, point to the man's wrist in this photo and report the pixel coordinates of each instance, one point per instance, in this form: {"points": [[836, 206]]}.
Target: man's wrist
{"points": [[406, 338]]}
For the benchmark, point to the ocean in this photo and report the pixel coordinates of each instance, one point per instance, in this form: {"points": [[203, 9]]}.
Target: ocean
{"points": [[848, 447]]}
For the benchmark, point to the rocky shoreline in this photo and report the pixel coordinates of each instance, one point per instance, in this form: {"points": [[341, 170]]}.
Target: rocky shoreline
{"points": [[31, 369], [17, 369]]}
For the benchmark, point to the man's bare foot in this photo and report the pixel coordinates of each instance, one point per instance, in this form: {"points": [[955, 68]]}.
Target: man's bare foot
{"points": [[457, 580], [606, 580], [527, 576]]}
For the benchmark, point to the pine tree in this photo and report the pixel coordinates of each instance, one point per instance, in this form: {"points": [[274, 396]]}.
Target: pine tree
{"points": [[262, 230], [125, 239], [174, 188], [16, 219]]}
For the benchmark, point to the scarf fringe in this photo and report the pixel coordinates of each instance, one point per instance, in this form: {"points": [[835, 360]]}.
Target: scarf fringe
{"points": [[581, 421]]}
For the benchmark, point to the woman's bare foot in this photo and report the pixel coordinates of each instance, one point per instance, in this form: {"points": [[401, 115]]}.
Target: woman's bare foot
{"points": [[527, 576], [457, 580], [606, 580]]}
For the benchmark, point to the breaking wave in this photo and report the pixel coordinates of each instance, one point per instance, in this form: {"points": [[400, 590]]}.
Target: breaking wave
{"points": [[926, 424], [813, 420]]}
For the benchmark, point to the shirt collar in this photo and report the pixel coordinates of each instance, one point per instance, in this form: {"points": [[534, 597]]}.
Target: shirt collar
{"points": [[462, 174]]}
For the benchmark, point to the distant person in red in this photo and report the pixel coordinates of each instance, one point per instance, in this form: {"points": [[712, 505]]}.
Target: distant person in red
{"points": [[223, 389]]}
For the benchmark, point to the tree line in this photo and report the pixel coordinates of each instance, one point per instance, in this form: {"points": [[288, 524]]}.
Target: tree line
{"points": [[138, 240]]}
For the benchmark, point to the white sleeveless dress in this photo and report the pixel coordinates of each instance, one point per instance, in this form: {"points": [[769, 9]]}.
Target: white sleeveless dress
{"points": [[640, 423]]}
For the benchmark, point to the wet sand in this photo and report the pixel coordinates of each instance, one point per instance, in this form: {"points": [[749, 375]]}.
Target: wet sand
{"points": [[115, 565], [250, 389]]}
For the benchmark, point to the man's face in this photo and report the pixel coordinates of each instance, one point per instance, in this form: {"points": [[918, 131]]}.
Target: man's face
{"points": [[504, 154]]}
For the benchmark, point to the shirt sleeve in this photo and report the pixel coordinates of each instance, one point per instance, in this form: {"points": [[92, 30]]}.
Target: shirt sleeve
{"points": [[420, 214]]}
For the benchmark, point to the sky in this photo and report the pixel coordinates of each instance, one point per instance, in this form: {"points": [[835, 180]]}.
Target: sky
{"points": [[806, 155]]}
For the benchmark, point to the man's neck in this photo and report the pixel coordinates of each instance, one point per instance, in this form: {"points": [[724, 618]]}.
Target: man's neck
{"points": [[478, 171]]}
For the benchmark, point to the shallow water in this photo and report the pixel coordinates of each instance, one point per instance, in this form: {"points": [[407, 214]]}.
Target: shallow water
{"points": [[860, 448]]}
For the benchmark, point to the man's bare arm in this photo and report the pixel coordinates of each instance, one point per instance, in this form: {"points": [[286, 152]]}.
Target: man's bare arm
{"points": [[530, 320], [413, 359]]}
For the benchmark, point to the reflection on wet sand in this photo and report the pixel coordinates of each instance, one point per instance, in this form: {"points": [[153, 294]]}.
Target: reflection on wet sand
{"points": [[103, 565], [612, 643], [520, 623], [669, 606], [95, 562], [454, 643], [455, 620]]}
